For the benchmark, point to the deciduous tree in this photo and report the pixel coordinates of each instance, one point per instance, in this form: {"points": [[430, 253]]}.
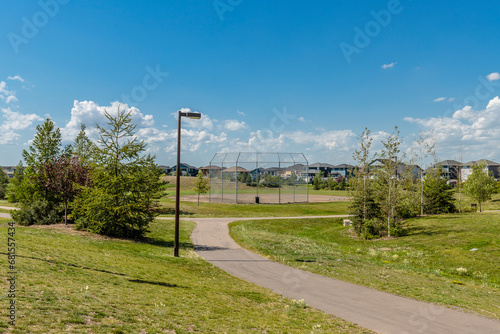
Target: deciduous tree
{"points": [[480, 185], [201, 185]]}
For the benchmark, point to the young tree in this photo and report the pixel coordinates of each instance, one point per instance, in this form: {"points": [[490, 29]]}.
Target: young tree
{"points": [[125, 186], [387, 182], [201, 185], [361, 190], [318, 182], [438, 195], [46, 144], [480, 185], [426, 146], [83, 146], [63, 177]]}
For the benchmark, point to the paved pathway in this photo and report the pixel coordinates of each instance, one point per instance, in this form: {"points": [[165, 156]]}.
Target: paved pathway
{"points": [[372, 309]]}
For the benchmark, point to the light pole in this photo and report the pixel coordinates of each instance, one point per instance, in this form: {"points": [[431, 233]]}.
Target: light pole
{"points": [[193, 115]]}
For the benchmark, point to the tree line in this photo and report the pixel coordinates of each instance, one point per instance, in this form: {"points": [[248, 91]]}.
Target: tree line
{"points": [[108, 187]]}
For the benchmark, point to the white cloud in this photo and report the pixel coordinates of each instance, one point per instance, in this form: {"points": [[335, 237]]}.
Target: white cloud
{"points": [[301, 119], [493, 76], [234, 125], [341, 140], [439, 99], [479, 130], [386, 66], [451, 99], [90, 114], [241, 113], [15, 121], [6, 95], [16, 77]]}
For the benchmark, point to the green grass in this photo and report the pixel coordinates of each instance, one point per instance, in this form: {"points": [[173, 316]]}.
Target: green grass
{"points": [[422, 265], [191, 209], [71, 281]]}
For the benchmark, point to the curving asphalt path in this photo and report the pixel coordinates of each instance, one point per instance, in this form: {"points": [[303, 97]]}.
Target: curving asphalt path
{"points": [[378, 311]]}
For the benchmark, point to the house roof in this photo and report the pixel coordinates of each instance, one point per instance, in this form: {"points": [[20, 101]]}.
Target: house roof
{"points": [[449, 163], [344, 166], [488, 163], [236, 169], [321, 165], [298, 167], [211, 167]]}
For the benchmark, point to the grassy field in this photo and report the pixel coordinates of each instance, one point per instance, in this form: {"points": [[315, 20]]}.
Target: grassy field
{"points": [[191, 209], [75, 282], [424, 265]]}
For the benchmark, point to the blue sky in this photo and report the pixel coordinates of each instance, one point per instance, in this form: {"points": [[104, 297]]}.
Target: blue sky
{"points": [[288, 76]]}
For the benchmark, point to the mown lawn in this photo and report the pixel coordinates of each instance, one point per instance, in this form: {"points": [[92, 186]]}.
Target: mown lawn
{"points": [[423, 265], [191, 209], [75, 282]]}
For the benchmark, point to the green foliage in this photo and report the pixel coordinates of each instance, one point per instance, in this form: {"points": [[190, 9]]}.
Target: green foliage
{"points": [[4, 181], [201, 185], [125, 185], [83, 147], [318, 182], [13, 191], [46, 144], [480, 185], [38, 212], [438, 195]]}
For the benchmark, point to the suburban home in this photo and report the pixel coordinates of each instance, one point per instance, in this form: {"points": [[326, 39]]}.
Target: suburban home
{"points": [[401, 168], [343, 170], [309, 175], [274, 171], [211, 169], [293, 170], [165, 169], [490, 166], [327, 169], [450, 169], [257, 172], [9, 170], [186, 170], [234, 169]]}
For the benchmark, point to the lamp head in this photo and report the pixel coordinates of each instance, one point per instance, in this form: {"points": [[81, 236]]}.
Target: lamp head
{"points": [[189, 114]]}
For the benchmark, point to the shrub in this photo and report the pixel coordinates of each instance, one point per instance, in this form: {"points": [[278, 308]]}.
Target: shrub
{"points": [[39, 212]]}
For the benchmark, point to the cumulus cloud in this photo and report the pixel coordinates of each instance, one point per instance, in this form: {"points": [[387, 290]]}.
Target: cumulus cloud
{"points": [[341, 140], [386, 66], [301, 119], [234, 125], [479, 129], [493, 76], [90, 114], [14, 121]]}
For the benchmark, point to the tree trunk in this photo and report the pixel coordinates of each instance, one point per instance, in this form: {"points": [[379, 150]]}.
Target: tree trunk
{"points": [[65, 213]]}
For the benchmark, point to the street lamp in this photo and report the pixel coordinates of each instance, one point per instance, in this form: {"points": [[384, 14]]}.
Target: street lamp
{"points": [[192, 115]]}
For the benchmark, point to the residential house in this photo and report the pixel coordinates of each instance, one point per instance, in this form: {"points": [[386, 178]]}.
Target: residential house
{"points": [[490, 166], [9, 170], [401, 168], [186, 170], [327, 169], [293, 170], [343, 170], [211, 170], [165, 169]]}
